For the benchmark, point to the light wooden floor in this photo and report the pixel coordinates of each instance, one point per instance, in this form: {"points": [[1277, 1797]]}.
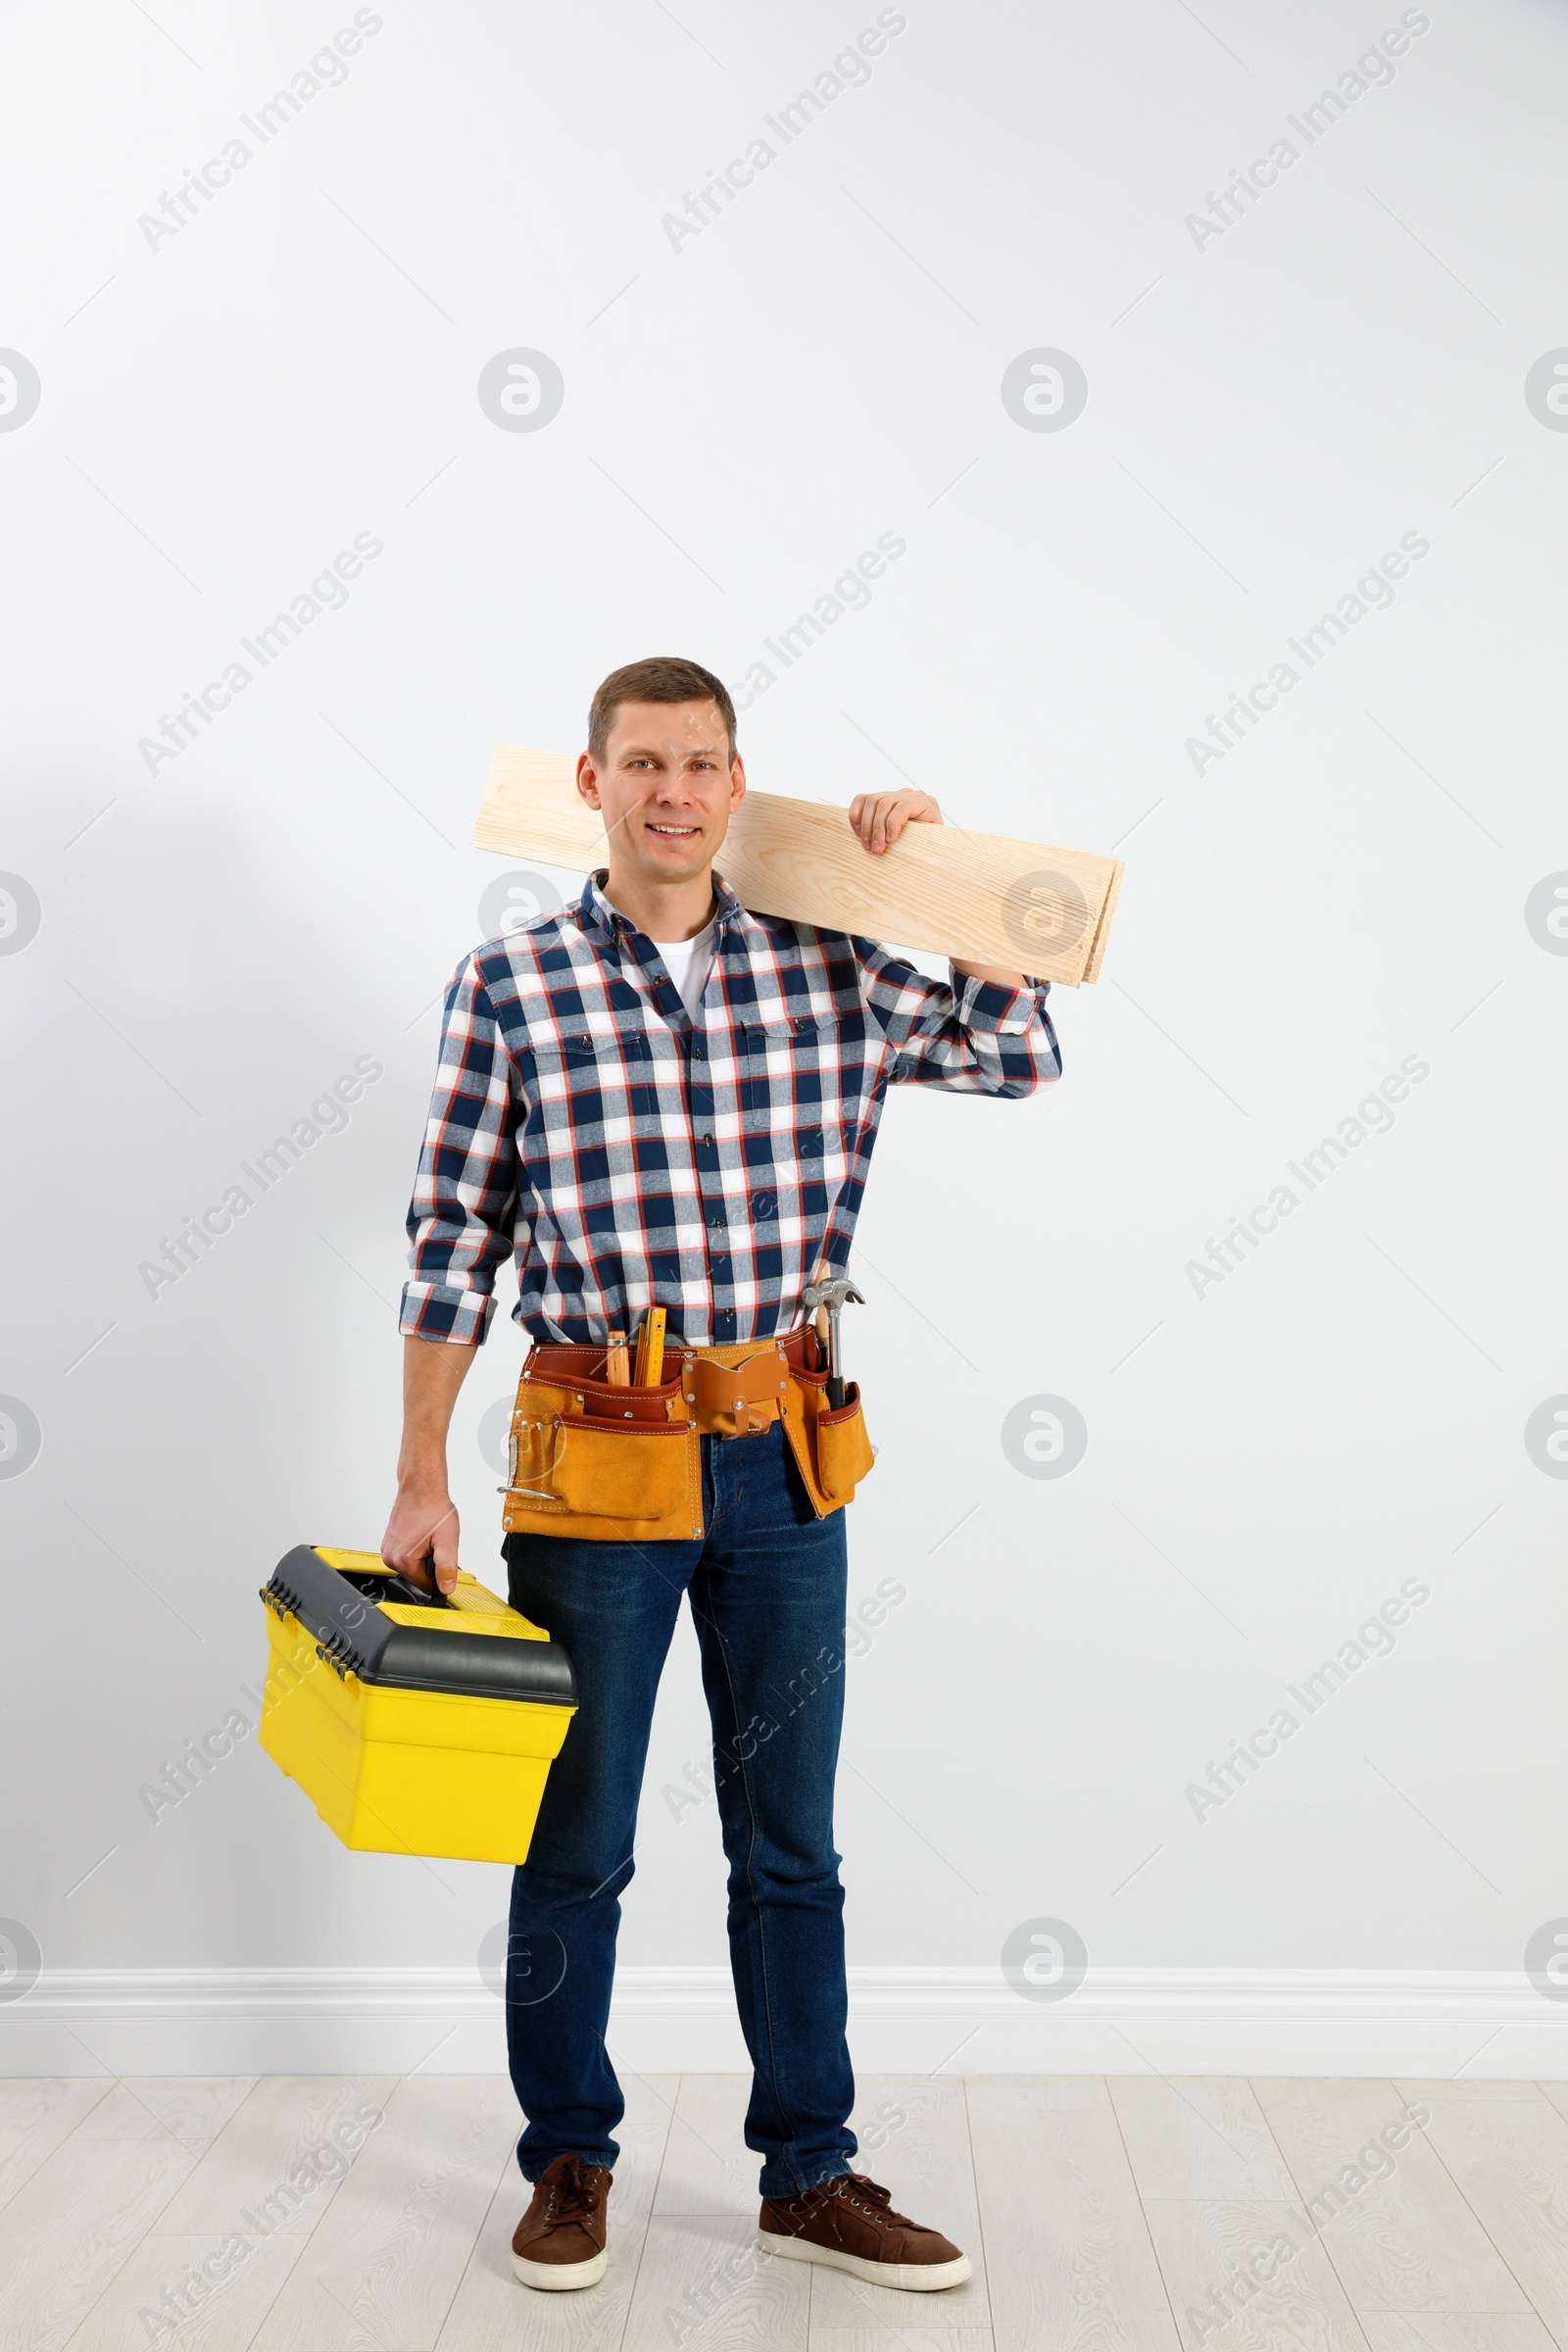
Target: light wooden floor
{"points": [[1101, 2217]]}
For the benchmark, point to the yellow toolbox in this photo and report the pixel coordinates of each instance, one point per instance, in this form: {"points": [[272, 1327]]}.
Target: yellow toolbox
{"points": [[414, 1724]]}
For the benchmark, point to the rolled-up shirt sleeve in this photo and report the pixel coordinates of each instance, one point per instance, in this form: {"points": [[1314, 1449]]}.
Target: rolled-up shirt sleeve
{"points": [[977, 1037], [463, 1217]]}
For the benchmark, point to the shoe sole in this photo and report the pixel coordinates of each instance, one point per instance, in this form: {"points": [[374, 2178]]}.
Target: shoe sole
{"points": [[560, 2277], [915, 2277]]}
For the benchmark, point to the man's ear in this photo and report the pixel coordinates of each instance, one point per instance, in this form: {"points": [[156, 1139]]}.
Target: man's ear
{"points": [[737, 782], [588, 778]]}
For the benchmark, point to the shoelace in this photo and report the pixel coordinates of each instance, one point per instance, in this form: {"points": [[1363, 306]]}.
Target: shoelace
{"points": [[573, 2194], [864, 2196]]}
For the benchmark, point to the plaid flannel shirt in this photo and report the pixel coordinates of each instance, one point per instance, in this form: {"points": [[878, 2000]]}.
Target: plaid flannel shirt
{"points": [[626, 1157]]}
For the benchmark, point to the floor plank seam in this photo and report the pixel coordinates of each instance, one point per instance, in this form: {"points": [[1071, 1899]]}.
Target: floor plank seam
{"points": [[1530, 2300], [1291, 2173], [669, 2108], [1143, 2214], [473, 2251], [979, 2204]]}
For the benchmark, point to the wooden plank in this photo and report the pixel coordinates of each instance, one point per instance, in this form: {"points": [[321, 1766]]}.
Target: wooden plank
{"points": [[287, 2123], [708, 2166], [1405, 2242], [980, 896], [229, 2305], [492, 2312], [1204, 2244], [1097, 950], [901, 2340], [188, 2107], [70, 2229], [1054, 2094], [1446, 2089], [384, 2261], [37, 2113], [1198, 2137], [531, 808], [1456, 2331], [1511, 2160], [1069, 2257], [705, 2285]]}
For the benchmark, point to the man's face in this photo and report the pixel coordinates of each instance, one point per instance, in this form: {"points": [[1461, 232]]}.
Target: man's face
{"points": [[666, 787]]}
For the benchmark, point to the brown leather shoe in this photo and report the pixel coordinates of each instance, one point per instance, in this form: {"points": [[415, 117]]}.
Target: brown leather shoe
{"points": [[849, 2222], [560, 2241]]}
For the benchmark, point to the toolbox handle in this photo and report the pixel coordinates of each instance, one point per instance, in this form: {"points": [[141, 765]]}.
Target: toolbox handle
{"points": [[412, 1595], [436, 1599]]}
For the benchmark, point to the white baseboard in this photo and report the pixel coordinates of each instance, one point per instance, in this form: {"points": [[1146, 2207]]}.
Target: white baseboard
{"points": [[1421, 2023]]}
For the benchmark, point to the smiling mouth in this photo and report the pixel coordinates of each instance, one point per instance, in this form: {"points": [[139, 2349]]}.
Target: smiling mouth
{"points": [[676, 832]]}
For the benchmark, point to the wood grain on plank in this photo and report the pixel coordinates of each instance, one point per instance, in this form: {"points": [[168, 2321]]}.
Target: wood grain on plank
{"points": [[1405, 2242], [37, 2113], [1198, 2137], [1455, 2332], [1064, 2094], [1460, 2087], [905, 2339], [164, 2292], [1219, 2256], [1020, 905], [381, 2267], [705, 2285], [193, 2107], [68, 2232], [708, 2166], [279, 2156], [1511, 2160], [1068, 2256]]}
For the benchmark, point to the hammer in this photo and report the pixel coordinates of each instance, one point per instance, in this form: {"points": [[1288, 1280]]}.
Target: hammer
{"points": [[832, 1295]]}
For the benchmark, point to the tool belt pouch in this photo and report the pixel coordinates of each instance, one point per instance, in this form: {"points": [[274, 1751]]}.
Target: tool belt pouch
{"points": [[614, 1464], [832, 1450], [843, 1449], [623, 1464]]}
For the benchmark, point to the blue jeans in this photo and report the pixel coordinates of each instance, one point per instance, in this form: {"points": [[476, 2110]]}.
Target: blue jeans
{"points": [[767, 1586]]}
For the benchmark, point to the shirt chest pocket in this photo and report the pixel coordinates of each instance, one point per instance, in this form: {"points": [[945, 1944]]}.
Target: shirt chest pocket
{"points": [[574, 1080], [775, 1066], [792, 1072]]}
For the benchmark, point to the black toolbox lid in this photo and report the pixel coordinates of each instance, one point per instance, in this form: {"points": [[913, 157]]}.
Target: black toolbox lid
{"points": [[339, 1608]]}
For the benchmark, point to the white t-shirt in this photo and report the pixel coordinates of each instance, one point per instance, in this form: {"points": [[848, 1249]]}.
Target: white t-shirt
{"points": [[688, 963]]}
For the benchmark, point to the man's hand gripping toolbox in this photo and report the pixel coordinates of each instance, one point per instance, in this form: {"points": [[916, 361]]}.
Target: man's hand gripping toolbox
{"points": [[594, 1458], [414, 1724]]}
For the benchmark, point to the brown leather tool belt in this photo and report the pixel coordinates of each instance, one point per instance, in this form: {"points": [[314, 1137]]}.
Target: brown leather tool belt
{"points": [[618, 1463]]}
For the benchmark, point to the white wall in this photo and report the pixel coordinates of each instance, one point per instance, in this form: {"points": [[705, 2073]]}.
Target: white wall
{"points": [[1269, 412]]}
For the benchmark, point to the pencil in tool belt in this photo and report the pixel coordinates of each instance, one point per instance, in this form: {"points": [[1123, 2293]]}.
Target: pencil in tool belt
{"points": [[650, 1348], [616, 1371]]}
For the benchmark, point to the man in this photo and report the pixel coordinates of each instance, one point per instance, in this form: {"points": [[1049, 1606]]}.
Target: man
{"points": [[658, 1098]]}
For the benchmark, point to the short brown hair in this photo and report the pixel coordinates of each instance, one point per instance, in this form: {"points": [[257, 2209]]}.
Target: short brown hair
{"points": [[661, 678]]}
